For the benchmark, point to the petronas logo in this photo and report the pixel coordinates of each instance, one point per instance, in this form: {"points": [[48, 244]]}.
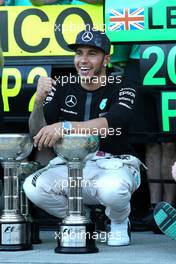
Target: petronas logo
{"points": [[103, 103]]}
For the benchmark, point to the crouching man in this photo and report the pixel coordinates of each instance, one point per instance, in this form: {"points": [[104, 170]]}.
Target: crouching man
{"points": [[94, 101]]}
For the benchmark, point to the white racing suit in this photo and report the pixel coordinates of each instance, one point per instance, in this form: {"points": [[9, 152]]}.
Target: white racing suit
{"points": [[108, 180]]}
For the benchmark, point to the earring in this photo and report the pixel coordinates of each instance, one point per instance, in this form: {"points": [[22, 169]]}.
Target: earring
{"points": [[104, 65]]}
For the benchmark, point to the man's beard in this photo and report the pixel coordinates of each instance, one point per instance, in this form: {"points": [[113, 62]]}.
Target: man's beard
{"points": [[97, 71]]}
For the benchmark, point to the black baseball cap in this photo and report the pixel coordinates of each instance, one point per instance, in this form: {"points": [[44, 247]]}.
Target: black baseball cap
{"points": [[93, 38]]}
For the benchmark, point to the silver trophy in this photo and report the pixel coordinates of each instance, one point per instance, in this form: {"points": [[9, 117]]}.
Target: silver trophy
{"points": [[15, 232], [26, 168], [76, 230]]}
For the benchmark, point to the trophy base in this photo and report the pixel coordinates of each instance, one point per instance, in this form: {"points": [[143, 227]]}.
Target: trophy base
{"points": [[72, 250], [21, 247], [15, 236], [76, 239]]}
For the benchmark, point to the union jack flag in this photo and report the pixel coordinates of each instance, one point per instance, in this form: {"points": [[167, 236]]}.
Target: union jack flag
{"points": [[126, 19]]}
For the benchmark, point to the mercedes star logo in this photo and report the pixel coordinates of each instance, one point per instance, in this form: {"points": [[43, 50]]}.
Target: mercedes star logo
{"points": [[87, 36], [70, 101]]}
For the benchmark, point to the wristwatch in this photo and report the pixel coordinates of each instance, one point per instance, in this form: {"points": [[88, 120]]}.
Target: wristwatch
{"points": [[67, 127]]}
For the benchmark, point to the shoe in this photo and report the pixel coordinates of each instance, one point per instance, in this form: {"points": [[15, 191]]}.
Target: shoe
{"points": [[120, 234], [165, 218]]}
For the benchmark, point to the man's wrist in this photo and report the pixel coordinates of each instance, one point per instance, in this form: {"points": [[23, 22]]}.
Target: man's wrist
{"points": [[38, 103], [66, 127]]}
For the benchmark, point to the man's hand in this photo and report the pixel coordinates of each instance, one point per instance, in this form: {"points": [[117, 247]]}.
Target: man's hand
{"points": [[48, 136], [44, 87]]}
